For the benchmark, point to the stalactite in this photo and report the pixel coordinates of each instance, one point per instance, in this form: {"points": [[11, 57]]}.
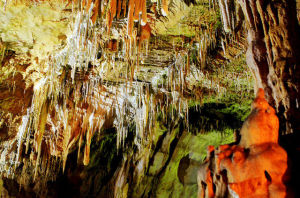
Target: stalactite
{"points": [[42, 119], [71, 101], [119, 8], [226, 13], [130, 18], [95, 11], [112, 11], [22, 133], [165, 7], [144, 12]]}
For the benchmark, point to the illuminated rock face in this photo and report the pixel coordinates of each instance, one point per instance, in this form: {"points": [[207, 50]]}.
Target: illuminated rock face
{"points": [[256, 167]]}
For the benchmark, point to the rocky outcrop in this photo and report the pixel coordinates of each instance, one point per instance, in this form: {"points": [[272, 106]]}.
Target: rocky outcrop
{"points": [[255, 167]]}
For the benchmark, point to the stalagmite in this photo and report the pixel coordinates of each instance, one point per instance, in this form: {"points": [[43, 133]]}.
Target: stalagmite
{"points": [[255, 167]]}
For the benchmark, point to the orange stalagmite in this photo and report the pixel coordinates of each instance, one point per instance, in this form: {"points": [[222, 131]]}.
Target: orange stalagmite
{"points": [[256, 167], [262, 125]]}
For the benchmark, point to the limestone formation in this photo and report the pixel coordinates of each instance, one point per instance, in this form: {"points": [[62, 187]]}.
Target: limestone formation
{"points": [[255, 167]]}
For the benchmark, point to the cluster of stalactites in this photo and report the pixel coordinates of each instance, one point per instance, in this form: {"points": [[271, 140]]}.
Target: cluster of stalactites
{"points": [[207, 41], [65, 110], [136, 11], [227, 14], [55, 121]]}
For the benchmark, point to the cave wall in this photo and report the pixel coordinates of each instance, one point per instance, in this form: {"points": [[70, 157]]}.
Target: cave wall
{"points": [[273, 55]]}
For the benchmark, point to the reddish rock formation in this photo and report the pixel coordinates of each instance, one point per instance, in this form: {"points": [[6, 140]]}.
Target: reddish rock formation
{"points": [[256, 167]]}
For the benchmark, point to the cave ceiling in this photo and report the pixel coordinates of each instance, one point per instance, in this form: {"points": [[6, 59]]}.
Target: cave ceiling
{"points": [[70, 69]]}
